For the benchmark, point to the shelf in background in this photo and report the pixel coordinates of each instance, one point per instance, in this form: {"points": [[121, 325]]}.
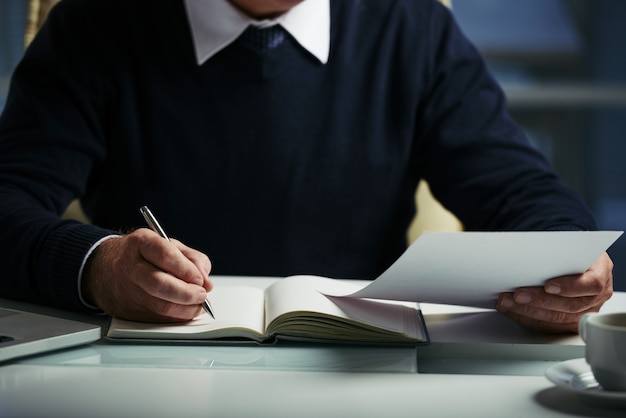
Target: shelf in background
{"points": [[564, 95]]}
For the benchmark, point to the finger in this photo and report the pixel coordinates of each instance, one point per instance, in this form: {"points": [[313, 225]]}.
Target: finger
{"points": [[167, 256], [597, 280], [540, 318], [162, 297], [200, 260], [166, 287], [134, 300], [536, 298], [173, 285]]}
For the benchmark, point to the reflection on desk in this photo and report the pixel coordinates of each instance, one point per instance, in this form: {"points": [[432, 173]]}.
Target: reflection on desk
{"points": [[283, 356]]}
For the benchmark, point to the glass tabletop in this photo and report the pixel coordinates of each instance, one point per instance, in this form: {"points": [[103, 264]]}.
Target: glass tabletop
{"points": [[246, 356]]}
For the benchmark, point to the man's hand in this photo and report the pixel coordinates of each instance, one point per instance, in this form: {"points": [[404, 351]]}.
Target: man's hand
{"points": [[558, 305], [144, 277]]}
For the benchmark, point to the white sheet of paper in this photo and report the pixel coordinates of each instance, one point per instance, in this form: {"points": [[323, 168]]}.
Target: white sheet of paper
{"points": [[472, 268]]}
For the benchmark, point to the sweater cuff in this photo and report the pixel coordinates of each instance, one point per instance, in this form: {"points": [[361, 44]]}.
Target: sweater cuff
{"points": [[60, 262]]}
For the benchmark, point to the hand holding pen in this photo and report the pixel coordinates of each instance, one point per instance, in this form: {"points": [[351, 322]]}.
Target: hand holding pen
{"points": [[156, 227], [141, 276]]}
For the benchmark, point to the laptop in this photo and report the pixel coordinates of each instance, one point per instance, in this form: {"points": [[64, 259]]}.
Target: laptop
{"points": [[25, 333]]}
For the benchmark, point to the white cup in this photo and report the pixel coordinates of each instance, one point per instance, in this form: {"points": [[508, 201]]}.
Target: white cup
{"points": [[605, 351]]}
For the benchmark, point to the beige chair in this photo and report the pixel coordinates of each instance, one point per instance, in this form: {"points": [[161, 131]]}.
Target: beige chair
{"points": [[432, 216], [37, 12]]}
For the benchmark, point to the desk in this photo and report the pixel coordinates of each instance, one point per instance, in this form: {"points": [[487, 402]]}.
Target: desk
{"points": [[457, 375]]}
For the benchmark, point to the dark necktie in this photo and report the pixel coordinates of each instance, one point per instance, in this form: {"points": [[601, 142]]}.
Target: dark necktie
{"points": [[263, 39]]}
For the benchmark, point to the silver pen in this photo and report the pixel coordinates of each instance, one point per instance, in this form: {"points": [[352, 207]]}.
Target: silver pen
{"points": [[156, 227]]}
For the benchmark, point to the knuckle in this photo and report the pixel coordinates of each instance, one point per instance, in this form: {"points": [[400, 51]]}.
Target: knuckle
{"points": [[138, 236], [610, 264], [161, 287], [168, 252], [606, 294], [596, 284]]}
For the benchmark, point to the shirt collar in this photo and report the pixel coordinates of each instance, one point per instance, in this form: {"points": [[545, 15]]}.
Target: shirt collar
{"points": [[215, 24]]}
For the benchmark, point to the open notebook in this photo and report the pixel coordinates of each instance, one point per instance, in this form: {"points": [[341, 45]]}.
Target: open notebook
{"points": [[24, 333], [295, 308]]}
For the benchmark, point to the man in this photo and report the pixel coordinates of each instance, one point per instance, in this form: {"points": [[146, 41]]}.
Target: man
{"points": [[297, 155]]}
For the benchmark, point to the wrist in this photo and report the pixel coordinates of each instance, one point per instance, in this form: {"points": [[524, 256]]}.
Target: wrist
{"points": [[91, 271]]}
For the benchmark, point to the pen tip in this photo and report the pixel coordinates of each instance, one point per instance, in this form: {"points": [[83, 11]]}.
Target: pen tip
{"points": [[208, 309]]}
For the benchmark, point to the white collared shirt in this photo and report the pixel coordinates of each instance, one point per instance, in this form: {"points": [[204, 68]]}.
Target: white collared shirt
{"points": [[217, 23]]}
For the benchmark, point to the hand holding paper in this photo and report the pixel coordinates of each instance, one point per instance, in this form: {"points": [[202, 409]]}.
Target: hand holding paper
{"points": [[561, 302], [475, 268]]}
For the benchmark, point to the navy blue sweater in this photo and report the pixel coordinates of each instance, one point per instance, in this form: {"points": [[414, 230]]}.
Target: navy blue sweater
{"points": [[271, 163]]}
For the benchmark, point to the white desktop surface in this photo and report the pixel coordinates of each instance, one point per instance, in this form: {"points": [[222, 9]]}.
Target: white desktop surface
{"points": [[469, 374], [49, 391]]}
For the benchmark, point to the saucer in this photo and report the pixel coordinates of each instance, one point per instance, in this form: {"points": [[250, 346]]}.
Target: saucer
{"points": [[576, 375]]}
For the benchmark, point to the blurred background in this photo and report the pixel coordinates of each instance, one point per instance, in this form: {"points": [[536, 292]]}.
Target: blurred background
{"points": [[562, 64]]}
